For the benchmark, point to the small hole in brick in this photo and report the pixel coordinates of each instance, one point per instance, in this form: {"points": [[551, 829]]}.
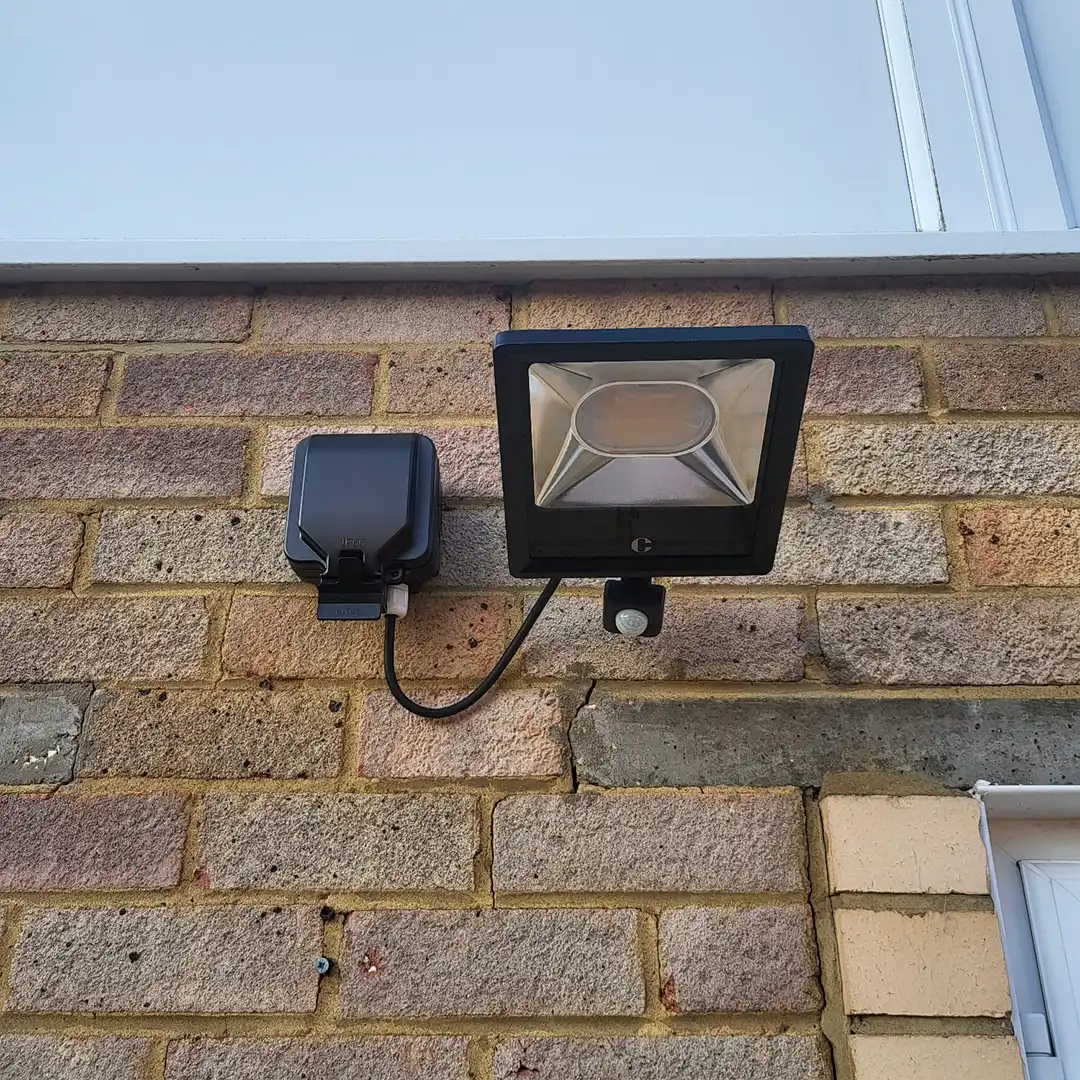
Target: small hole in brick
{"points": [[133, 956], [163, 696]]}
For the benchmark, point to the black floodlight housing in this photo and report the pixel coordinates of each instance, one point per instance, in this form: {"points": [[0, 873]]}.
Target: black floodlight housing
{"points": [[641, 453], [363, 520]]}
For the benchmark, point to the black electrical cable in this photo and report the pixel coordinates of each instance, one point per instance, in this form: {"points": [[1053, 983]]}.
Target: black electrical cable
{"points": [[489, 680]]}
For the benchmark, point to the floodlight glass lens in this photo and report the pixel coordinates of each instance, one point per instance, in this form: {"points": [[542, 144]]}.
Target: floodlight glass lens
{"points": [[627, 419], [649, 432]]}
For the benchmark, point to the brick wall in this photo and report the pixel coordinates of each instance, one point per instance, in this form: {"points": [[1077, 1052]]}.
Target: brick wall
{"points": [[734, 851]]}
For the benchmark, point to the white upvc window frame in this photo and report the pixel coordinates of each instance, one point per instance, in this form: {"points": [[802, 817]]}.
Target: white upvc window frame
{"points": [[1022, 827]]}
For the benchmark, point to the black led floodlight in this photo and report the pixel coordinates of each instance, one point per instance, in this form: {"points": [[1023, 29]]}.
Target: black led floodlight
{"points": [[641, 453], [626, 454]]}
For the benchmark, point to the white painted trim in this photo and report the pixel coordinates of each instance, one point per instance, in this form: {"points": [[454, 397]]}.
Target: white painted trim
{"points": [[982, 115], [1024, 141], [1048, 802], [914, 138], [514, 261]]}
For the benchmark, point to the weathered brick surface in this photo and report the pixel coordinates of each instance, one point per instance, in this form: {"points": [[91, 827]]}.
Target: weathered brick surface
{"points": [[1021, 545], [190, 545], [395, 1057], [908, 307], [420, 313], [903, 844], [1067, 302], [120, 463], [798, 484], [474, 548], [621, 740], [128, 313], [441, 381], [213, 734], [51, 384], [927, 1057], [158, 960], [151, 637], [718, 638], [369, 842], [38, 551], [91, 842], [946, 640], [864, 379], [1028, 377], [855, 547], [731, 842], [961, 458], [468, 457], [442, 637], [930, 964], [678, 1057], [606, 305], [510, 733], [247, 384], [491, 963], [39, 731], [54, 1057], [761, 959]]}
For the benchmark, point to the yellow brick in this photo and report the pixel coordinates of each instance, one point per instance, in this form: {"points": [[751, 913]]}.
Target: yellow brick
{"points": [[927, 964], [935, 1057], [903, 844]]}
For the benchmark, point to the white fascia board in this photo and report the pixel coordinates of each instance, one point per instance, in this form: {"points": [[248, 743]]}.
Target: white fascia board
{"points": [[516, 261], [1029, 801]]}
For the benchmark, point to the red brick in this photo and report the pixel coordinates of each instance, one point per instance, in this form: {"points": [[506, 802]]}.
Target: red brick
{"points": [[386, 843], [721, 841], [37, 551], [468, 457], [952, 641], [716, 638], [120, 463], [247, 384], [1027, 377], [128, 313], [491, 963], [442, 637], [200, 960], [51, 384], [64, 639], [610, 305], [190, 545], [388, 314], [392, 1057], [90, 842], [1067, 302], [56, 1057], [441, 381], [758, 959], [970, 457], [913, 307], [864, 379], [1022, 545], [510, 733], [213, 734]]}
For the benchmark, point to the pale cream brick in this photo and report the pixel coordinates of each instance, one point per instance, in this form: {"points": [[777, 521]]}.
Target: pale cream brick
{"points": [[936, 1057], [903, 844], [927, 964]]}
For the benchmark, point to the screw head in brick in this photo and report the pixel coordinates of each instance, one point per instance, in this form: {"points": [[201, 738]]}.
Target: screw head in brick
{"points": [[322, 965]]}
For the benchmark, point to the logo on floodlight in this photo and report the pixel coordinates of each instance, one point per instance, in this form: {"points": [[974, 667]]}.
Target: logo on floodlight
{"points": [[641, 545]]}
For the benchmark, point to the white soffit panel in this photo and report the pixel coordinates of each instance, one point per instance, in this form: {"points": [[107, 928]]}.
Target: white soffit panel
{"points": [[422, 121]]}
